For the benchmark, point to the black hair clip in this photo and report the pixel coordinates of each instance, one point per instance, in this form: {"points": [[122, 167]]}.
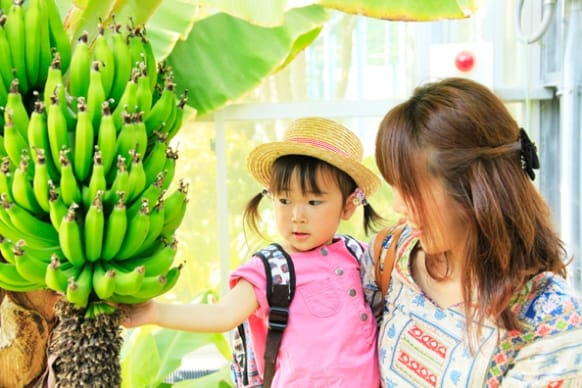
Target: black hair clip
{"points": [[528, 154]]}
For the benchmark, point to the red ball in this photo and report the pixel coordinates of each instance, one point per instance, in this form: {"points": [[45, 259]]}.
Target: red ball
{"points": [[464, 61]]}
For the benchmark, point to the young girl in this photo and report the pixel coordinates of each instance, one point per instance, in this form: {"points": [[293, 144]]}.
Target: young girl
{"points": [[315, 179], [478, 296]]}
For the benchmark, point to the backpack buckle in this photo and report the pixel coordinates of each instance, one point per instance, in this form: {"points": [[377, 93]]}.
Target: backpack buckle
{"points": [[278, 317]]}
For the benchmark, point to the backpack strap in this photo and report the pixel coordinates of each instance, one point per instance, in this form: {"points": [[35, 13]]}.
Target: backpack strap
{"points": [[384, 252], [279, 295], [354, 246]]}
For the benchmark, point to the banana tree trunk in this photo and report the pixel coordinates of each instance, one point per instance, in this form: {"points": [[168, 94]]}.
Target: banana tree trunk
{"points": [[26, 323], [84, 349]]}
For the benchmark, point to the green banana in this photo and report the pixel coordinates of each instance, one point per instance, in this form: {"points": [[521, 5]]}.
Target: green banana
{"points": [[140, 132], [6, 250], [169, 167], [54, 78], [175, 206], [22, 189], [103, 281], [157, 263], [79, 289], [103, 53], [40, 181], [95, 93], [31, 266], [55, 84], [177, 124], [115, 229], [153, 193], [122, 60], [3, 98], [32, 38], [137, 229], [94, 229], [6, 178], [107, 137], [155, 158], [58, 273], [126, 139], [162, 108], [14, 142], [70, 190], [9, 234], [97, 308], [15, 107], [128, 101], [135, 44], [97, 182], [11, 280], [80, 67], [14, 232], [155, 229], [46, 50], [58, 35], [120, 182], [144, 94], [15, 32], [70, 237], [57, 129], [170, 120], [57, 208], [29, 225], [126, 282], [150, 59], [6, 66], [152, 286], [2, 148], [83, 149], [136, 177], [38, 140]]}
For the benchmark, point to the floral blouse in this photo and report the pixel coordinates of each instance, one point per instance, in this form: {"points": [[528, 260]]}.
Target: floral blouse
{"points": [[423, 345]]}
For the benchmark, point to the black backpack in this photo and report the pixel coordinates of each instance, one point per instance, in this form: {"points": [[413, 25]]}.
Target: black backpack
{"points": [[280, 275]]}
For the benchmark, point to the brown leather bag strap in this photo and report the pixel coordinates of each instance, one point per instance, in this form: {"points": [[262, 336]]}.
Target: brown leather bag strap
{"points": [[385, 257]]}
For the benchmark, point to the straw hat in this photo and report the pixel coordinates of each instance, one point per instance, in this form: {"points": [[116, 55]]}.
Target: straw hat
{"points": [[320, 138]]}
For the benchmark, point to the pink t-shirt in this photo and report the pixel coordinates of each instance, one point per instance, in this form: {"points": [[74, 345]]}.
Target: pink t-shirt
{"points": [[330, 340]]}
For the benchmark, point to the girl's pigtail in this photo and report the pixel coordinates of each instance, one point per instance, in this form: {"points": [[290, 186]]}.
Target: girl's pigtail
{"points": [[251, 215], [372, 220]]}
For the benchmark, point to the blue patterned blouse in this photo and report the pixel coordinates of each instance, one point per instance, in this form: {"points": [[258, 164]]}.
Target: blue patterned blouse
{"points": [[423, 345]]}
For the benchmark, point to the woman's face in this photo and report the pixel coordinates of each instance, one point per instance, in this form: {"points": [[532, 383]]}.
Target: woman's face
{"points": [[440, 229]]}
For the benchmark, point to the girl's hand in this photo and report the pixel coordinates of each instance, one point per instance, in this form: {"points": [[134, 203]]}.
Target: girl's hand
{"points": [[138, 314]]}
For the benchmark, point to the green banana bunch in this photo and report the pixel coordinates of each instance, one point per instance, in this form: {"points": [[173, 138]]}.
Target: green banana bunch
{"points": [[29, 31], [86, 162]]}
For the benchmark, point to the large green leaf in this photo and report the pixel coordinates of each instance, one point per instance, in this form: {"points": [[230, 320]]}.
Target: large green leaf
{"points": [[266, 13], [225, 57], [409, 10], [167, 21], [174, 345]]}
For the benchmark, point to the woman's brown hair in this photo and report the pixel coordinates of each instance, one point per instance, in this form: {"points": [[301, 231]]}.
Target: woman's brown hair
{"points": [[460, 133]]}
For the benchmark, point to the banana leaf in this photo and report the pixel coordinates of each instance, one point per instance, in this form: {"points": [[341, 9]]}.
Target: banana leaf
{"points": [[224, 57], [239, 43]]}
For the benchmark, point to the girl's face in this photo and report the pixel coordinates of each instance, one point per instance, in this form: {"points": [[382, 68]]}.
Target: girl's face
{"points": [[441, 229], [309, 220]]}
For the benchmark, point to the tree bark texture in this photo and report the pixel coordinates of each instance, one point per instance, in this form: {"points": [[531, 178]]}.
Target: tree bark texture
{"points": [[26, 322]]}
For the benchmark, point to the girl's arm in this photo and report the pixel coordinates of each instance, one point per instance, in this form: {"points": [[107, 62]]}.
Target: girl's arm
{"points": [[236, 306]]}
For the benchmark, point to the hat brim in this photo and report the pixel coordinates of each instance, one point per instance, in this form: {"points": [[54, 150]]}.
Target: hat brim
{"points": [[260, 162]]}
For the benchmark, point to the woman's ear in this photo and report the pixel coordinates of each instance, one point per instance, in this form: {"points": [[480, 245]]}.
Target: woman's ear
{"points": [[350, 206]]}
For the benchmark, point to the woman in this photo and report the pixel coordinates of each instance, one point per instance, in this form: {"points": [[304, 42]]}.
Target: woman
{"points": [[478, 295]]}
